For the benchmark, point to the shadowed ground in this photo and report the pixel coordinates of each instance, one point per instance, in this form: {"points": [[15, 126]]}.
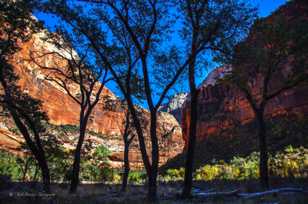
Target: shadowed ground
{"points": [[26, 193]]}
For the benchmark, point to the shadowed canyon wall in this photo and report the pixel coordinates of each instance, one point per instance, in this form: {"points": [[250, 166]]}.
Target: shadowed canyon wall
{"points": [[221, 107]]}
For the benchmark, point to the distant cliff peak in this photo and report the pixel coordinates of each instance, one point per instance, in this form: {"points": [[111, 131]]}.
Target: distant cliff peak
{"points": [[216, 74]]}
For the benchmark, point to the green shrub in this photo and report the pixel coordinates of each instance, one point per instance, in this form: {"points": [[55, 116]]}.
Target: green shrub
{"points": [[90, 172], [9, 166], [136, 177], [207, 172], [292, 162], [176, 173], [173, 175], [116, 177], [101, 153], [95, 166], [14, 130], [69, 128], [14, 167], [248, 167]]}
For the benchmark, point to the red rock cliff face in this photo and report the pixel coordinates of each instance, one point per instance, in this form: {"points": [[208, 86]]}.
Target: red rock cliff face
{"points": [[221, 108], [62, 110]]}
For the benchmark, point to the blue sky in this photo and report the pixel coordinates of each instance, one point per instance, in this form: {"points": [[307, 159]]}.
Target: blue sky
{"points": [[268, 6], [265, 8]]}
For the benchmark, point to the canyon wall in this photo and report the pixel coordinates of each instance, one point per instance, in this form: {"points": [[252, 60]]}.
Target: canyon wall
{"points": [[222, 107], [62, 110]]}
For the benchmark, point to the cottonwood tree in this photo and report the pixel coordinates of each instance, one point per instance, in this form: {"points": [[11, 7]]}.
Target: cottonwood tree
{"points": [[142, 24], [209, 26], [69, 71], [271, 61], [17, 26]]}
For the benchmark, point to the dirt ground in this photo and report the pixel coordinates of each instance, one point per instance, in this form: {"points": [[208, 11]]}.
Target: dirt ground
{"points": [[30, 193]]}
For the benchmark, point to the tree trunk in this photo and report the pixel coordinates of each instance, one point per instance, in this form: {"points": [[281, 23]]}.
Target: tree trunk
{"points": [[37, 151], [191, 148], [76, 165], [137, 126], [186, 193], [263, 166], [42, 161], [126, 167], [38, 155], [127, 142], [152, 191], [45, 173]]}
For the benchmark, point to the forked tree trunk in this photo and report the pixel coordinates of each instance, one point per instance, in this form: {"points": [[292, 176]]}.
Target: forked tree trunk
{"points": [[263, 166]]}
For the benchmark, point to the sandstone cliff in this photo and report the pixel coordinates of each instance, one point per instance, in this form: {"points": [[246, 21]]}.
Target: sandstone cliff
{"points": [[62, 110]]}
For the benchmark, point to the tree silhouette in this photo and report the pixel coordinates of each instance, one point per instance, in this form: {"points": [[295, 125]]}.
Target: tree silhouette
{"points": [[271, 61], [17, 27], [210, 26], [89, 78], [136, 28]]}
